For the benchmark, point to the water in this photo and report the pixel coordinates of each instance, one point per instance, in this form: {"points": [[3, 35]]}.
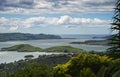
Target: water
{"points": [[56, 42], [83, 36], [15, 56], [7, 57]]}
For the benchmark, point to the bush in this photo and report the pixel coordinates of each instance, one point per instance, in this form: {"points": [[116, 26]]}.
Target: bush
{"points": [[80, 63], [34, 71]]}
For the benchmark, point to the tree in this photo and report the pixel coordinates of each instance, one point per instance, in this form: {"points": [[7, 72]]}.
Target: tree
{"points": [[87, 72], [82, 66], [115, 39], [89, 65], [34, 71]]}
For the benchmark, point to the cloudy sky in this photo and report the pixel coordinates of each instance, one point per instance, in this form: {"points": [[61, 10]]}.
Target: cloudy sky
{"points": [[56, 16]]}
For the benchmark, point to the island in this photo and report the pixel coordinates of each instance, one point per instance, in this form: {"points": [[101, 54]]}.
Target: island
{"points": [[22, 48], [93, 42], [30, 48], [65, 49], [25, 36], [29, 57]]}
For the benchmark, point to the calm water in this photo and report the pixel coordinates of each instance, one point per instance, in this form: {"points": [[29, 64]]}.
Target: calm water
{"points": [[55, 42], [15, 56]]}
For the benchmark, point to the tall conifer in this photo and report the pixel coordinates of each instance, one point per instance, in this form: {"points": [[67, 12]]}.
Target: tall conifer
{"points": [[115, 39]]}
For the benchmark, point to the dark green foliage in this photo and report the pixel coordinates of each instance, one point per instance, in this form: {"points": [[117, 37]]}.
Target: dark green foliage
{"points": [[51, 61], [101, 72], [87, 72], [88, 65], [84, 61], [83, 65], [4, 74], [34, 71], [27, 56], [113, 68], [115, 39], [25, 36]]}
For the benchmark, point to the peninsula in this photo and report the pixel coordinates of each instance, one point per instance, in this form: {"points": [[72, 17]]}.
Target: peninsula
{"points": [[22, 48], [25, 36], [93, 42]]}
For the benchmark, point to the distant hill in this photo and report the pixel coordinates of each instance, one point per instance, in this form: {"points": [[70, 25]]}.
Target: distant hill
{"points": [[93, 42], [83, 36], [25, 36]]}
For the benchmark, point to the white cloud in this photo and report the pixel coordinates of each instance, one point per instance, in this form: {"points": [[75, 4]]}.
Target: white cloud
{"points": [[63, 21], [3, 21], [9, 24], [13, 28]]}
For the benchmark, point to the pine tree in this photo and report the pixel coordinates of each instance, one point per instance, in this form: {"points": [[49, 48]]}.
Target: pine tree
{"points": [[115, 39]]}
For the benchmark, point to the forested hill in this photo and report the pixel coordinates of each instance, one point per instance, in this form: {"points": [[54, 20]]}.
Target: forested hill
{"points": [[25, 36]]}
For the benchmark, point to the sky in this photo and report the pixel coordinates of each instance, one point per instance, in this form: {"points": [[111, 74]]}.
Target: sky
{"points": [[56, 16]]}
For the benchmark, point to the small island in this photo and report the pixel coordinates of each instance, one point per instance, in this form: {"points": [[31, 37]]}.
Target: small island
{"points": [[25, 36], [30, 48], [23, 48], [65, 49], [28, 57]]}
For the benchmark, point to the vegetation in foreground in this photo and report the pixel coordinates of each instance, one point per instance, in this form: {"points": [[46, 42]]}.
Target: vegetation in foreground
{"points": [[83, 65], [6, 70], [89, 65]]}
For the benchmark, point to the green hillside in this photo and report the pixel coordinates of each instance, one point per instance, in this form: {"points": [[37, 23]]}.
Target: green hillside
{"points": [[23, 48], [63, 49], [30, 48]]}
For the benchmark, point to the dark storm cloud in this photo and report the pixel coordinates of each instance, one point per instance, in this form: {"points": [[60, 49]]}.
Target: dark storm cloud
{"points": [[56, 6], [100, 3], [59, 3], [16, 4]]}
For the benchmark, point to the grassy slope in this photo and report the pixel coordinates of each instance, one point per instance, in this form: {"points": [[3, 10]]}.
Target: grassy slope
{"points": [[63, 49], [24, 48], [30, 48]]}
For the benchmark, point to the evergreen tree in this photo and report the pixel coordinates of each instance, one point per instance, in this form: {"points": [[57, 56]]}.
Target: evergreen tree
{"points": [[115, 39]]}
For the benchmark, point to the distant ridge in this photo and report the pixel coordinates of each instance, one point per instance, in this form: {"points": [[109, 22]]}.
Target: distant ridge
{"points": [[25, 36], [104, 36]]}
